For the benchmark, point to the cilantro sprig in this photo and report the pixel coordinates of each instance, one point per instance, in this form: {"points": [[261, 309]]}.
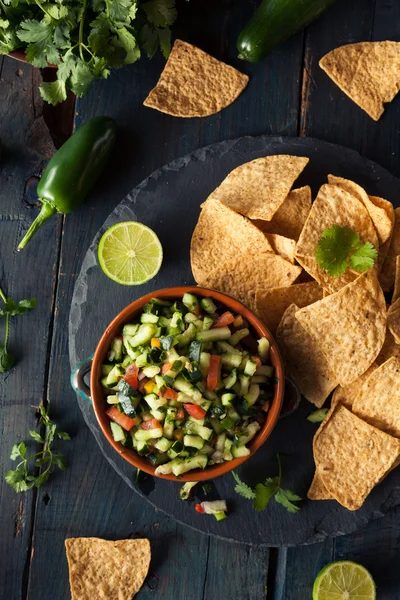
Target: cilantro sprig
{"points": [[11, 309], [340, 248], [264, 492], [84, 38], [21, 479]]}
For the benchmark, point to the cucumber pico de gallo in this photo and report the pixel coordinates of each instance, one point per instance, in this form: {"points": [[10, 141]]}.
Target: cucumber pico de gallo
{"points": [[187, 384]]}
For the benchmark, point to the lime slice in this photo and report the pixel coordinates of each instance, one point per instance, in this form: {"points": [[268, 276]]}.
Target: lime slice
{"points": [[130, 253], [344, 580]]}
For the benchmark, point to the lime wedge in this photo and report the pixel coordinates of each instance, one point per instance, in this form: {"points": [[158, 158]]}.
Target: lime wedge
{"points": [[130, 253], [344, 580]]}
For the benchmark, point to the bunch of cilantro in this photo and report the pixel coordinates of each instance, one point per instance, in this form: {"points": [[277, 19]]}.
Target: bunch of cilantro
{"points": [[85, 38]]}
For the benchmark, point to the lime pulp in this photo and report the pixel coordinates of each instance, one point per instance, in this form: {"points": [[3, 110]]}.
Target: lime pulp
{"points": [[344, 580]]}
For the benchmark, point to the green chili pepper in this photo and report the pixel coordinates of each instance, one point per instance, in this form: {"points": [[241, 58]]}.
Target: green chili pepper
{"points": [[73, 170]]}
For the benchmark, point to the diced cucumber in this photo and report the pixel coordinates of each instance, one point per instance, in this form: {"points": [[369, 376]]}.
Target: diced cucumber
{"points": [[193, 441], [163, 444], [151, 371], [144, 334], [133, 354], [213, 396], [177, 324], [184, 386], [169, 426], [252, 395], [185, 491], [220, 443], [198, 461], [117, 432], [148, 318], [207, 449], [187, 336], [230, 381], [166, 469], [248, 433], [204, 362], [198, 323], [148, 434], [228, 449], [105, 369], [157, 458], [208, 322], [266, 370], [155, 401], [225, 347], [116, 349], [238, 336], [231, 361], [142, 447], [159, 302], [216, 425], [130, 329], [244, 384], [158, 413], [240, 451], [194, 351], [250, 368], [227, 423], [142, 359], [190, 318], [213, 335], [263, 348], [244, 361], [190, 301], [208, 305], [259, 379], [197, 421], [233, 414], [196, 429], [206, 405], [172, 356], [114, 376], [112, 399], [127, 404], [226, 399]]}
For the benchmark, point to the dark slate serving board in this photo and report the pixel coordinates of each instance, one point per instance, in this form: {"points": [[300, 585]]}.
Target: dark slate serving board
{"points": [[168, 201]]}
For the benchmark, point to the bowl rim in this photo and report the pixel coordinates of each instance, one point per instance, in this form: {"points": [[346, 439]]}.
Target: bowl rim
{"points": [[176, 292]]}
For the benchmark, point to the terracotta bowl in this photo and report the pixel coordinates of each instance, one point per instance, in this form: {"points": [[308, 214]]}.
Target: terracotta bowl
{"points": [[98, 397]]}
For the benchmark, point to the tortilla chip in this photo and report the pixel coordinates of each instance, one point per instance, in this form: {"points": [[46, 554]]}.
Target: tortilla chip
{"points": [[396, 291], [194, 84], [303, 360], [388, 271], [368, 72], [317, 489], [333, 205], [393, 323], [352, 456], [347, 394], [290, 217], [107, 570], [377, 210], [349, 326], [378, 401], [243, 276], [258, 188], [271, 304], [283, 246], [389, 349], [222, 235]]}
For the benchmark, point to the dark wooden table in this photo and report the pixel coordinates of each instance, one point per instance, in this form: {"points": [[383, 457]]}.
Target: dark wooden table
{"points": [[289, 95]]}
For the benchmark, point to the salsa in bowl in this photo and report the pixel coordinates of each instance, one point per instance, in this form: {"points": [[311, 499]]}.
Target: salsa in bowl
{"points": [[187, 383]]}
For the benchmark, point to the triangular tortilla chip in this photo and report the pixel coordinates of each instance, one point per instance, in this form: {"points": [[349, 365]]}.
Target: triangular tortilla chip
{"points": [[343, 442], [389, 349], [272, 304], [242, 276], [222, 235], [283, 246], [303, 360], [317, 489], [105, 570], [333, 205], [396, 291], [368, 72], [258, 188], [393, 323], [348, 326], [347, 394], [290, 217], [378, 208], [378, 400], [388, 271], [194, 84]]}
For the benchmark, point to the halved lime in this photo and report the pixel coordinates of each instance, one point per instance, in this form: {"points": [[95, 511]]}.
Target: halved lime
{"points": [[130, 253], [344, 580]]}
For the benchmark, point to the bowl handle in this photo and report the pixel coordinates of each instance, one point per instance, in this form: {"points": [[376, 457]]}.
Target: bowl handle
{"points": [[291, 399], [77, 378]]}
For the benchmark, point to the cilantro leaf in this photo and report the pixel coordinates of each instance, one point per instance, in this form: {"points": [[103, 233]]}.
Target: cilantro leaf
{"points": [[39, 35], [13, 309], [36, 436], [119, 9], [317, 416], [164, 37], [242, 488], [128, 42], [17, 480], [149, 40], [18, 450], [264, 493], [337, 247], [81, 79], [287, 498], [7, 360], [53, 92], [160, 12]]}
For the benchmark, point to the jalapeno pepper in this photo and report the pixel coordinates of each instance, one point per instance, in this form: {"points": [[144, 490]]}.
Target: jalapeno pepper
{"points": [[73, 170]]}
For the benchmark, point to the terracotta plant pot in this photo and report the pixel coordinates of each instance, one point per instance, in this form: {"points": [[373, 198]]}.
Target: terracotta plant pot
{"points": [[98, 397], [21, 56]]}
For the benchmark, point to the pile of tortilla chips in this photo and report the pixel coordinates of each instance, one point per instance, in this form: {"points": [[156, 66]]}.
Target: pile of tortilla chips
{"points": [[107, 570], [255, 240]]}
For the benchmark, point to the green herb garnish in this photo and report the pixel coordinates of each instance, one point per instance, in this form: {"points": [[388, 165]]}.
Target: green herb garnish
{"points": [[318, 415], [20, 479], [340, 248], [206, 488], [84, 39], [11, 309], [263, 492]]}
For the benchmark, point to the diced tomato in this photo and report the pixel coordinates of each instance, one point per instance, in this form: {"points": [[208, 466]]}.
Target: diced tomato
{"points": [[119, 337], [213, 372], [195, 411], [238, 322], [257, 360], [151, 424], [225, 319], [155, 342], [123, 420], [165, 368], [168, 393], [199, 508], [180, 414], [131, 376], [142, 385]]}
